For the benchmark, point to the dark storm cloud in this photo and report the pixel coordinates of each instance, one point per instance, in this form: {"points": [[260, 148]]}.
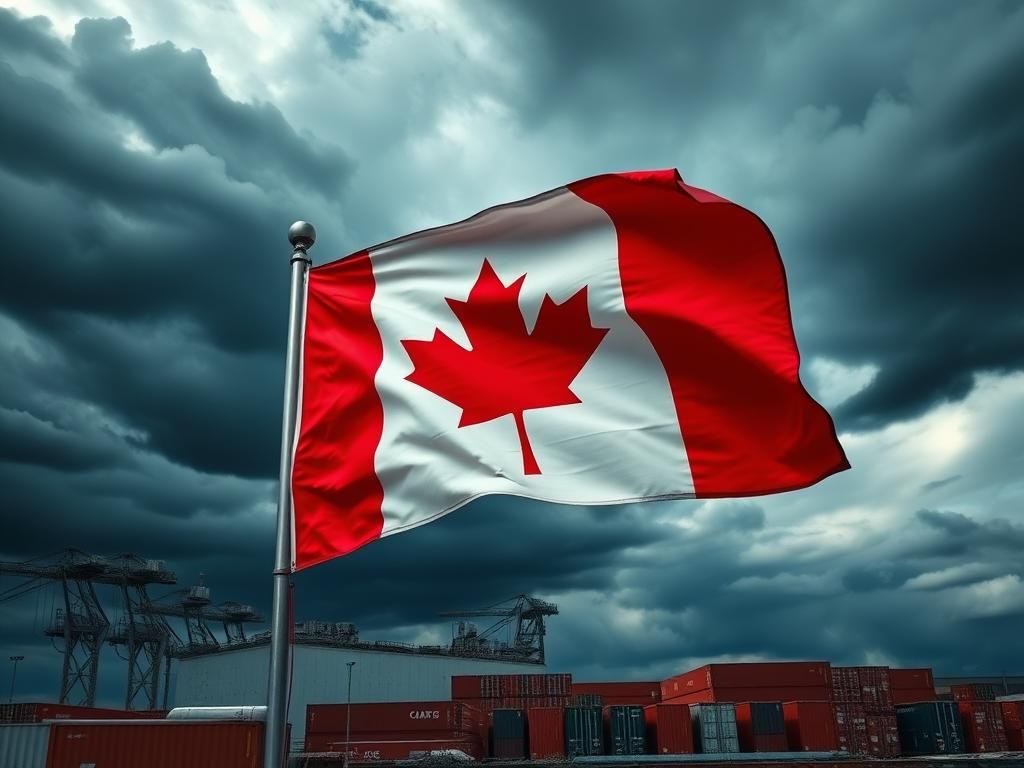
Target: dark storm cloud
{"points": [[902, 123], [173, 98], [33, 37]]}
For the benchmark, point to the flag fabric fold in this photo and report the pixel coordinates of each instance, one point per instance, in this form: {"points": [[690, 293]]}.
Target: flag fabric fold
{"points": [[623, 338]]}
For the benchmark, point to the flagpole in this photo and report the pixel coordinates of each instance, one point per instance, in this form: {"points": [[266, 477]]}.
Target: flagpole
{"points": [[302, 235]]}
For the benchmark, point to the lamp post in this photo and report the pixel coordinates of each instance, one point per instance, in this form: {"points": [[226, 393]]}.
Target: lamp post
{"points": [[348, 712], [14, 675]]}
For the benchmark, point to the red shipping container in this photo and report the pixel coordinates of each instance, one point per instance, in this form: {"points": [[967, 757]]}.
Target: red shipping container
{"points": [[33, 712], [912, 695], [613, 694], [735, 695], [156, 744], [851, 728], [810, 726], [1013, 714], [983, 726], [393, 717], [466, 687], [778, 674], [869, 686], [1015, 739], [883, 736], [912, 679], [669, 729], [368, 750], [975, 692], [546, 732], [760, 732]]}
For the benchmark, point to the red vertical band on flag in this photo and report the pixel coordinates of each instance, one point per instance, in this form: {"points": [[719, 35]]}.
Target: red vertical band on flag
{"points": [[703, 279], [341, 415]]}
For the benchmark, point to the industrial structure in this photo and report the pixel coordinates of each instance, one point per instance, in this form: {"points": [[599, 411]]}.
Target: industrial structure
{"points": [[141, 636]]}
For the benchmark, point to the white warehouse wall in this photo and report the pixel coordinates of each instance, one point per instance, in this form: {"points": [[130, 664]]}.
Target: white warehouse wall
{"points": [[239, 677]]}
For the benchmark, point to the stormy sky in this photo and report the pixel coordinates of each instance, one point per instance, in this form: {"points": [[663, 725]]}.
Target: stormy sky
{"points": [[152, 156]]}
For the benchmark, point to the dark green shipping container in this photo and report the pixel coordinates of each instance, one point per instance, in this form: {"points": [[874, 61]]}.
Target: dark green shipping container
{"points": [[584, 731], [930, 728], [626, 730]]}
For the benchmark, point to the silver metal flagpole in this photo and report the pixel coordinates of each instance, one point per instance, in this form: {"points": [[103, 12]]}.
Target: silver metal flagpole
{"points": [[302, 235]]}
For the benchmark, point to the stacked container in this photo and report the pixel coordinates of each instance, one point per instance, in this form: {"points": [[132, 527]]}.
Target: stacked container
{"points": [[37, 713], [490, 692], [974, 692], [851, 728], [155, 744], [669, 729], [761, 726], [24, 745], [930, 728], [863, 695], [625, 730], [508, 734], [546, 732], [769, 681], [1013, 724], [714, 728], [584, 731], [983, 726], [910, 686], [392, 731], [612, 694], [810, 726]]}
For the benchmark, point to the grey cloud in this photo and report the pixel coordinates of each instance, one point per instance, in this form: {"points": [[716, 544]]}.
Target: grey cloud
{"points": [[173, 98], [33, 36]]}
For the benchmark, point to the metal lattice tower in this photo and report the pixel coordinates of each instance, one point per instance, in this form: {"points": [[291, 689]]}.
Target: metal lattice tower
{"points": [[145, 637], [192, 605], [526, 614], [81, 624]]}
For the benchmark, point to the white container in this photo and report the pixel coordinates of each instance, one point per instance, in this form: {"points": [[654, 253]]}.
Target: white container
{"points": [[217, 713], [24, 746]]}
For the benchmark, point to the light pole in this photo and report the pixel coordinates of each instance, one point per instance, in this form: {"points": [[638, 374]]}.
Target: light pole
{"points": [[348, 712], [14, 675]]}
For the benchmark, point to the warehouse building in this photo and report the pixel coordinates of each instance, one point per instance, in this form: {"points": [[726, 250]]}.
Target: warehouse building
{"points": [[234, 676]]}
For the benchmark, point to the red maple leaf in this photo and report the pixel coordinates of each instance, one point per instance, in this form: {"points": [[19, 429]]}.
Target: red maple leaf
{"points": [[507, 370]]}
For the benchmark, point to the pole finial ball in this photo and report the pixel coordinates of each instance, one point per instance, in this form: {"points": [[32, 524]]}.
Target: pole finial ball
{"points": [[301, 234]]}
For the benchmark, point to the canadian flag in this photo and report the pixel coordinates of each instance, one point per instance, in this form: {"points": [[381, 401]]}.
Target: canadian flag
{"points": [[622, 338]]}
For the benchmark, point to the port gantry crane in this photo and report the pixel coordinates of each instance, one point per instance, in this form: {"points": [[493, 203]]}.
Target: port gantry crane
{"points": [[192, 605], [528, 640], [83, 625]]}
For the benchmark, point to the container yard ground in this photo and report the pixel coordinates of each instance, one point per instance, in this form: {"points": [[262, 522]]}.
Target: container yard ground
{"points": [[747, 760]]}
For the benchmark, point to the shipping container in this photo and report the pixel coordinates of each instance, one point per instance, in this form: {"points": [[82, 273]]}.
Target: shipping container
{"points": [[546, 728], [983, 726], [625, 730], [810, 726], [869, 686], [334, 741], [24, 745], [508, 734], [975, 692], [778, 674], [584, 731], [761, 726], [737, 695], [587, 700], [1013, 714], [155, 744], [500, 686], [883, 736], [714, 728], [851, 727], [394, 717], [669, 729], [612, 694], [930, 728], [35, 712], [487, 706], [912, 679]]}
